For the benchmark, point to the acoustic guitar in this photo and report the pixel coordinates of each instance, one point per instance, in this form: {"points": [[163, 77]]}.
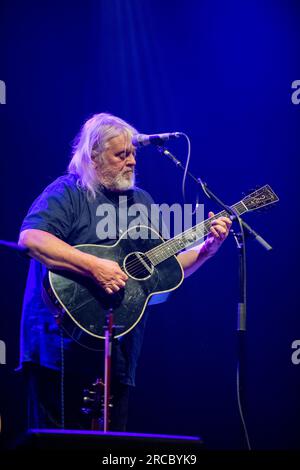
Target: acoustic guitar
{"points": [[150, 262]]}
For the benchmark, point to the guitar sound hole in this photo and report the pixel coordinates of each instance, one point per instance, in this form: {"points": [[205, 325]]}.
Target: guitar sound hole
{"points": [[138, 266]]}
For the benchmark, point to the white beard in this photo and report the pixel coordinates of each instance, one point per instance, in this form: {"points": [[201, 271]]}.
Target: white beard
{"points": [[121, 182]]}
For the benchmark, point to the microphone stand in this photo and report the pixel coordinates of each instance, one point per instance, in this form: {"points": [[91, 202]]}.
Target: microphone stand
{"points": [[239, 236]]}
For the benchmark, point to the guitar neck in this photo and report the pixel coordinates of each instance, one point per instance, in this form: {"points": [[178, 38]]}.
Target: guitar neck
{"points": [[189, 237]]}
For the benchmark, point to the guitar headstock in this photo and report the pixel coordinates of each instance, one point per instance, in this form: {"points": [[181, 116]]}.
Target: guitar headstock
{"points": [[262, 197]]}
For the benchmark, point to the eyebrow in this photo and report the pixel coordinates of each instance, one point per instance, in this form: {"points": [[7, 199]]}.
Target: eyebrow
{"points": [[126, 151]]}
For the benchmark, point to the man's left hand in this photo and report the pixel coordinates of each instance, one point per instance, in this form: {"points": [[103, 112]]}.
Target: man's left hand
{"points": [[219, 231]]}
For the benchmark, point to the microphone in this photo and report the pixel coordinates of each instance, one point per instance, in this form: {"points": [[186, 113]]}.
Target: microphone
{"points": [[139, 140]]}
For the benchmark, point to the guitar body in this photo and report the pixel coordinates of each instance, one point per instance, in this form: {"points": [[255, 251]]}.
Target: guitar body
{"points": [[80, 306]]}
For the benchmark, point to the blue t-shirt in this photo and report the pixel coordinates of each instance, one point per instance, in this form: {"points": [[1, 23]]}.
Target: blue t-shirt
{"points": [[66, 211]]}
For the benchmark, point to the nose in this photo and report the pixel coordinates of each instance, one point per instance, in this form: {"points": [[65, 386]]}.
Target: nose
{"points": [[131, 161]]}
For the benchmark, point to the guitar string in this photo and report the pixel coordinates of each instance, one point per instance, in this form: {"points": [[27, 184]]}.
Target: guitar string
{"points": [[240, 206], [173, 243], [135, 265], [157, 252], [161, 249]]}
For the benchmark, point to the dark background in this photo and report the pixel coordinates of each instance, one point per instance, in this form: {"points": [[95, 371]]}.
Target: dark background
{"points": [[221, 72]]}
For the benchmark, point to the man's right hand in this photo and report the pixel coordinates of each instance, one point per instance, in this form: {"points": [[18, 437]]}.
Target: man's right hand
{"points": [[108, 275], [59, 255]]}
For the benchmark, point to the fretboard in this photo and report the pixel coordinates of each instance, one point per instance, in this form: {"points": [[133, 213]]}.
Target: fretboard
{"points": [[185, 239]]}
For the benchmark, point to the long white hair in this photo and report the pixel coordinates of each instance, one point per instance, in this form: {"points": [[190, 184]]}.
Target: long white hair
{"points": [[90, 144]]}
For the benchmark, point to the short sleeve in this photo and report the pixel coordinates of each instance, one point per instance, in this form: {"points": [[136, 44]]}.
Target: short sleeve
{"points": [[53, 211]]}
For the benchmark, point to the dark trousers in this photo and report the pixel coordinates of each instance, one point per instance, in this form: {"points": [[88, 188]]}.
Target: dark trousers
{"points": [[54, 400]]}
